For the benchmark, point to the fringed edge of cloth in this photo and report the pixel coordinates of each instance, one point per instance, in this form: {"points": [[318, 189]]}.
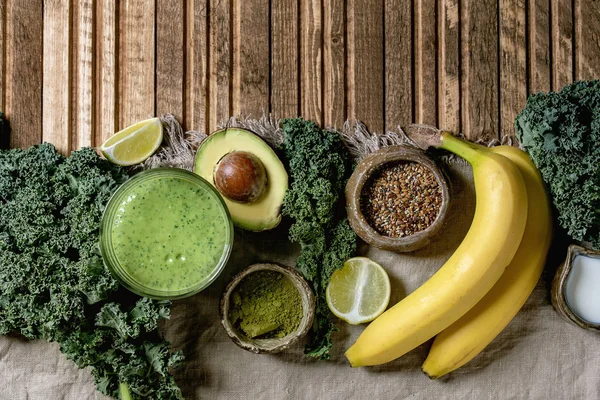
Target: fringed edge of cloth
{"points": [[179, 147]]}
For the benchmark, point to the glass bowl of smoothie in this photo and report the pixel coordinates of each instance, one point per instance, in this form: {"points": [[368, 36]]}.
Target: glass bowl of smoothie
{"points": [[166, 233]]}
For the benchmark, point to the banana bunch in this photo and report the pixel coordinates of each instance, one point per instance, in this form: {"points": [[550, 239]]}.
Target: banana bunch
{"points": [[478, 291], [463, 340]]}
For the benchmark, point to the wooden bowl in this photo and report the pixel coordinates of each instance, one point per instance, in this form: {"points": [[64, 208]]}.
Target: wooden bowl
{"points": [[371, 164], [273, 345], [559, 288]]}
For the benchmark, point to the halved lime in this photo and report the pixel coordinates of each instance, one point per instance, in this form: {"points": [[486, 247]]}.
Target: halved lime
{"points": [[359, 292], [135, 143]]}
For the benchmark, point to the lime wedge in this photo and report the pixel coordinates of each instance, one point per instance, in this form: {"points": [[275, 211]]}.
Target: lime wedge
{"points": [[359, 292], [135, 143]]}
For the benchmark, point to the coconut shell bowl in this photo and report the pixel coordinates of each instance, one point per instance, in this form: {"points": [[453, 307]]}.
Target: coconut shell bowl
{"points": [[558, 292], [369, 166], [269, 345]]}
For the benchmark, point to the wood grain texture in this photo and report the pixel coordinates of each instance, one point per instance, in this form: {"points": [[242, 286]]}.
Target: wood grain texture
{"points": [[562, 43], [82, 78], [220, 59], [398, 68], [196, 65], [4, 136], [425, 60], [365, 63], [539, 46], [136, 61], [449, 65], [311, 61], [587, 37], [250, 66], [334, 63], [3, 140], [513, 63], [106, 112], [23, 76], [75, 72], [479, 55], [285, 84], [56, 106], [170, 57]]}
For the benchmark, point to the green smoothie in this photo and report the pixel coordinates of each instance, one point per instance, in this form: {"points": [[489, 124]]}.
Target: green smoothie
{"points": [[169, 233]]}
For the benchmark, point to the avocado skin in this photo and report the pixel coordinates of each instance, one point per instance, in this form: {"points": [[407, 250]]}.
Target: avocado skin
{"points": [[264, 213]]}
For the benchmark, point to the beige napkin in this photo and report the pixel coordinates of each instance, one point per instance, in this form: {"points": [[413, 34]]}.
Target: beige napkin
{"points": [[538, 356]]}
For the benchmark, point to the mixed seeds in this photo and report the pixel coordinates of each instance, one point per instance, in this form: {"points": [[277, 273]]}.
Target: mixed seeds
{"points": [[401, 199]]}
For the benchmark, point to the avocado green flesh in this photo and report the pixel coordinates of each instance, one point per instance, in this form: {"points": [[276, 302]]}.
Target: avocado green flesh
{"points": [[265, 212]]}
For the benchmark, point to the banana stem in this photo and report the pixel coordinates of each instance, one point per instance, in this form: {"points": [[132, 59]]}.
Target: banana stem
{"points": [[459, 147]]}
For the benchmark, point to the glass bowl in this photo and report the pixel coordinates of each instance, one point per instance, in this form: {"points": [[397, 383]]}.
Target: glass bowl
{"points": [[166, 233]]}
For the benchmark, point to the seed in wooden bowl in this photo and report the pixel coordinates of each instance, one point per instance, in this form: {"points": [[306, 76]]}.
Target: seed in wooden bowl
{"points": [[401, 199]]}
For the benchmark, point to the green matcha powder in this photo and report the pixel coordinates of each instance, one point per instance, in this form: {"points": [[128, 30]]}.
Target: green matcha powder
{"points": [[266, 304]]}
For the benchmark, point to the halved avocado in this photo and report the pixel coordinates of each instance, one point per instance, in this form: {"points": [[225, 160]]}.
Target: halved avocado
{"points": [[265, 212]]}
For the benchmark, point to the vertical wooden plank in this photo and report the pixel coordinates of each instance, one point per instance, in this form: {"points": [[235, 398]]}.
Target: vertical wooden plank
{"points": [[170, 24], [284, 59], [479, 23], [220, 62], [334, 64], [366, 62], [82, 79], [311, 61], [539, 46], [449, 66], [398, 68], [196, 67], [587, 36], [106, 111], [56, 104], [23, 78], [562, 42], [4, 136], [513, 63], [425, 59], [250, 57], [136, 61], [2, 50]]}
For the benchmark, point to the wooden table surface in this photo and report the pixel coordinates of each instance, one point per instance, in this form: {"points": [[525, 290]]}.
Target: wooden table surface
{"points": [[74, 72]]}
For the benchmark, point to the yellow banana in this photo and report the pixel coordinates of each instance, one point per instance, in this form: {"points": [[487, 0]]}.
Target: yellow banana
{"points": [[467, 337], [488, 247]]}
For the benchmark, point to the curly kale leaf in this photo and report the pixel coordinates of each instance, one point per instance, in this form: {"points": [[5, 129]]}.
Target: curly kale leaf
{"points": [[45, 265], [143, 318], [127, 350], [53, 283], [341, 246], [319, 167], [561, 132]]}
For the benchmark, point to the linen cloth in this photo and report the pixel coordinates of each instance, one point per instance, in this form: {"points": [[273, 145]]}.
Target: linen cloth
{"points": [[538, 356]]}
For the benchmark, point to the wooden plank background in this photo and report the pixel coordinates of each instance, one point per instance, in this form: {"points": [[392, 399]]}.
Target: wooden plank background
{"points": [[74, 72]]}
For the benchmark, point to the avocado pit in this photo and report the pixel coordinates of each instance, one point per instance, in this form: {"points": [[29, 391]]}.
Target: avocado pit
{"points": [[260, 187], [240, 176]]}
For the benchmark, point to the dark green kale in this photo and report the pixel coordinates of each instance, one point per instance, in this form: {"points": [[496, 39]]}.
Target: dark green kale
{"points": [[53, 283], [319, 167], [561, 133]]}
